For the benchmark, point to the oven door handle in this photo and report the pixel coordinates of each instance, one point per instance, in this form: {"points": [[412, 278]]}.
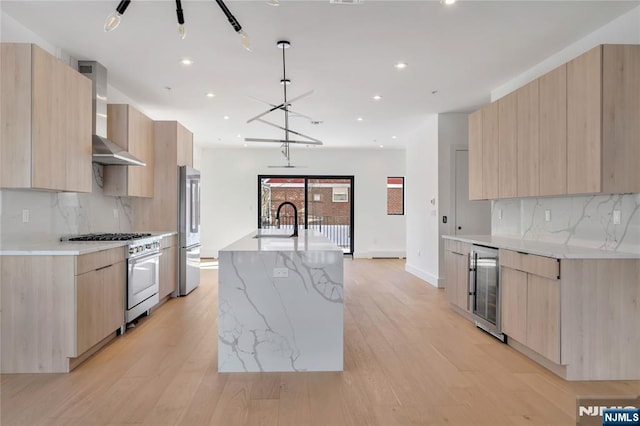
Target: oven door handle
{"points": [[144, 258]]}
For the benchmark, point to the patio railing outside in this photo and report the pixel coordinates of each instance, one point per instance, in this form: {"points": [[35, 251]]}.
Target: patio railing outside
{"points": [[336, 228]]}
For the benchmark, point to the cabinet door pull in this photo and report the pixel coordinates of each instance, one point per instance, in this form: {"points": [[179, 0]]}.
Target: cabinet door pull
{"points": [[104, 267]]}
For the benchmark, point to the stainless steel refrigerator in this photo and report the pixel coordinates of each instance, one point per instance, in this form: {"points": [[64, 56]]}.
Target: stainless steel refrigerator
{"points": [[189, 230]]}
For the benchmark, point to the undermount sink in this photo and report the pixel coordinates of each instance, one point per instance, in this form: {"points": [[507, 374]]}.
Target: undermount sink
{"points": [[272, 236]]}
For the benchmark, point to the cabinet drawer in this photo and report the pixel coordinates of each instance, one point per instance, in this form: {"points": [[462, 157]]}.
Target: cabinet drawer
{"points": [[93, 261], [457, 247], [547, 267], [169, 241]]}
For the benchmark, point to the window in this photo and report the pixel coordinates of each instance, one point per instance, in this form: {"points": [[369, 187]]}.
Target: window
{"points": [[395, 195], [340, 195]]}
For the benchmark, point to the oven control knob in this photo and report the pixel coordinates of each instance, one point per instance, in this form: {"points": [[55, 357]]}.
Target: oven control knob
{"points": [[131, 250]]}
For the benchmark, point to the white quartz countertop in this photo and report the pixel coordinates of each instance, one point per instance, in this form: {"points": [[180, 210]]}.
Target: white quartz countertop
{"points": [[307, 240], [62, 248], [558, 251]]}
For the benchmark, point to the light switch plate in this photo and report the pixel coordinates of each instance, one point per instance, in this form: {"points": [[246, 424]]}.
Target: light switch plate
{"points": [[500, 214], [25, 215], [547, 215], [115, 213], [280, 272], [616, 217]]}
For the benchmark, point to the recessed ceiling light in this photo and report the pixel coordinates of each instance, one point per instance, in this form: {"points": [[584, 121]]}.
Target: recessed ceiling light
{"points": [[377, 97], [381, 146], [401, 65], [448, 2], [394, 137], [186, 61], [210, 95], [238, 135], [360, 119], [273, 2], [226, 117], [245, 145]]}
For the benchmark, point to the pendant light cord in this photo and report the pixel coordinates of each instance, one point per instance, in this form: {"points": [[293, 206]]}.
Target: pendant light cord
{"points": [[286, 106]]}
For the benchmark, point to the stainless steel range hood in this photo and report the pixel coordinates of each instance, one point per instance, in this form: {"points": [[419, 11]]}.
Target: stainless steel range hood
{"points": [[104, 151]]}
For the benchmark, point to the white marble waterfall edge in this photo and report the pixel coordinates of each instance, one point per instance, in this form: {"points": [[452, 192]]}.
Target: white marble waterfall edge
{"points": [[280, 324]]}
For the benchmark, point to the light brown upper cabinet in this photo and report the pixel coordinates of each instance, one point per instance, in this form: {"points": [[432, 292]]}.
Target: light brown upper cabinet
{"points": [[132, 131], [528, 164], [577, 131], [490, 151], [173, 148], [475, 155], [45, 137], [603, 120], [553, 132], [507, 146], [184, 141]]}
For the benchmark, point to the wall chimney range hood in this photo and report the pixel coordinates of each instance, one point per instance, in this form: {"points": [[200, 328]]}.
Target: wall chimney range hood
{"points": [[104, 151]]}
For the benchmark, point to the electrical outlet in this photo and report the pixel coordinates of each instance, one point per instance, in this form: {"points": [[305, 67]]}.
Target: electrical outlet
{"points": [[547, 215], [616, 217], [115, 213], [280, 272], [25, 215]]}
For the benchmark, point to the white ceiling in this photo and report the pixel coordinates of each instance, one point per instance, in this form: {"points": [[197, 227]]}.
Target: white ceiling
{"points": [[345, 53]]}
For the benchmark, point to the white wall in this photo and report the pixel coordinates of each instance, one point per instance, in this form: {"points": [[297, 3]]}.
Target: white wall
{"points": [[452, 132], [430, 177], [422, 217], [623, 30], [231, 175]]}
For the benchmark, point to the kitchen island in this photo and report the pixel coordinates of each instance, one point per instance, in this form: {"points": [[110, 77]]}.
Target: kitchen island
{"points": [[280, 304]]}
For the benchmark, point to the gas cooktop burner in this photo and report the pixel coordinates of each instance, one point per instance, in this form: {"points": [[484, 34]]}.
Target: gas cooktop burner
{"points": [[110, 237]]}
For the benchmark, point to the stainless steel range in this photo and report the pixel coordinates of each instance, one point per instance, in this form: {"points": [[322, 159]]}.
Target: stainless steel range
{"points": [[143, 262]]}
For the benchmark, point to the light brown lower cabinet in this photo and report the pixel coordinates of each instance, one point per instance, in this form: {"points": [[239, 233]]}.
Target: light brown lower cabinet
{"points": [[583, 325], [514, 303], [100, 304], [531, 311], [57, 309], [456, 259], [168, 266]]}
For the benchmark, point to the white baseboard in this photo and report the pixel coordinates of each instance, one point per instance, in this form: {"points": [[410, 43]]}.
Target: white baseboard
{"points": [[425, 276], [397, 254]]}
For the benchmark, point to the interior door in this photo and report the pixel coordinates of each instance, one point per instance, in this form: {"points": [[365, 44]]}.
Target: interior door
{"points": [[471, 217]]}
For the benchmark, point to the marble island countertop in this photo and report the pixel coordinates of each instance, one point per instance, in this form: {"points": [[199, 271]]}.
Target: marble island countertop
{"points": [[307, 240], [555, 250], [55, 247]]}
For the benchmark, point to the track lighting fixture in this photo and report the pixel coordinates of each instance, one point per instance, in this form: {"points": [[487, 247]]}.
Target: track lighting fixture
{"points": [[182, 31], [113, 20], [246, 43]]}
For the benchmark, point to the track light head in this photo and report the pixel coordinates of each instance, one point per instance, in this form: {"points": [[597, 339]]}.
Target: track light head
{"points": [[113, 20]]}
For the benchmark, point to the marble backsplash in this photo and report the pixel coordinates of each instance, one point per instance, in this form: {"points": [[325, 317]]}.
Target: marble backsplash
{"points": [[53, 214], [577, 220]]}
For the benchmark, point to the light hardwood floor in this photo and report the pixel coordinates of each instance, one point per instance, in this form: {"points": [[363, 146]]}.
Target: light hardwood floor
{"points": [[408, 360]]}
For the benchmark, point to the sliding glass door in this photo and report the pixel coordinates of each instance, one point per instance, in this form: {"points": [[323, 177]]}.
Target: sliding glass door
{"points": [[324, 203]]}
